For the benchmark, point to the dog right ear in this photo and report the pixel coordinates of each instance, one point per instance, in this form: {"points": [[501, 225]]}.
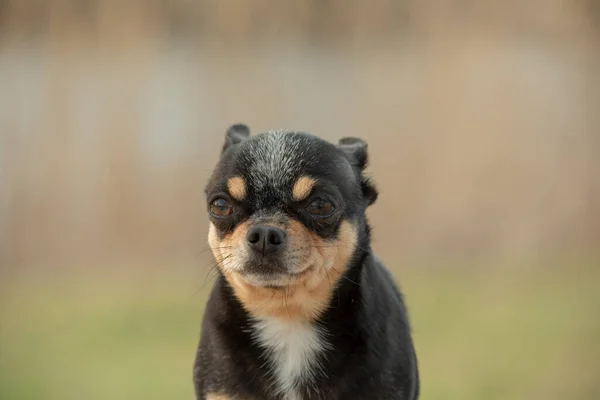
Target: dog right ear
{"points": [[235, 134]]}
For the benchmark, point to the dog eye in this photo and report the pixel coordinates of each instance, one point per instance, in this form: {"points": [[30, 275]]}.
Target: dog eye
{"points": [[221, 208], [320, 208]]}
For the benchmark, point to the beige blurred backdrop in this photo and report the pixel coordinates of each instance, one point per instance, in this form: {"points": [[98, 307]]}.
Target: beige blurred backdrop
{"points": [[483, 124]]}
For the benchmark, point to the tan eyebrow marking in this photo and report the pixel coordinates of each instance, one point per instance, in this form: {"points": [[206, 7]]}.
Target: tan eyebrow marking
{"points": [[237, 188], [302, 188]]}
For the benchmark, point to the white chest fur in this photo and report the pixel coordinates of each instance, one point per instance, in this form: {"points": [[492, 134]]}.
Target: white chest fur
{"points": [[292, 349]]}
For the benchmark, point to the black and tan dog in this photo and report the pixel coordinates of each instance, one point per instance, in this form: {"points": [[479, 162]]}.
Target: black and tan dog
{"points": [[302, 308]]}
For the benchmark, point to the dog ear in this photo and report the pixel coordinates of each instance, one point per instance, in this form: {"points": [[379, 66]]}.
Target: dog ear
{"points": [[235, 134], [369, 190], [356, 151]]}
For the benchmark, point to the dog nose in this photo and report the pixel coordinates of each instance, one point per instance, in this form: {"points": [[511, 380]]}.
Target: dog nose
{"points": [[266, 239]]}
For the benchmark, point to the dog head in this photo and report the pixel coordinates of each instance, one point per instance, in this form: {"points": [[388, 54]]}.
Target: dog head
{"points": [[287, 214]]}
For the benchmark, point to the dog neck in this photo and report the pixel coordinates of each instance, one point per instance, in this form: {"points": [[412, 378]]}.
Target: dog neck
{"points": [[295, 348]]}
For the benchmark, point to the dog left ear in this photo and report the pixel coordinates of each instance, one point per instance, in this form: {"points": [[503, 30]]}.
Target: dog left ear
{"points": [[235, 134], [356, 151]]}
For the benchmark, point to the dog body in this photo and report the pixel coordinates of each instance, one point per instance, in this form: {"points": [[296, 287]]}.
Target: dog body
{"points": [[301, 308]]}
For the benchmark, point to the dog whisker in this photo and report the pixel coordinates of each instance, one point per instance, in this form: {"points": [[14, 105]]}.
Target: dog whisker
{"points": [[268, 302], [215, 267], [345, 277], [337, 294], [214, 248]]}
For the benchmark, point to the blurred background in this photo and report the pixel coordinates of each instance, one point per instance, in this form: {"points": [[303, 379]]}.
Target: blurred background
{"points": [[483, 121]]}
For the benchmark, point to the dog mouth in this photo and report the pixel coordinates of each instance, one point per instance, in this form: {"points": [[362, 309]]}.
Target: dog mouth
{"points": [[272, 278]]}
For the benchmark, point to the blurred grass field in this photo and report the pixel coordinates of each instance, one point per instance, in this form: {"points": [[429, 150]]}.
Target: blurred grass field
{"points": [[521, 333]]}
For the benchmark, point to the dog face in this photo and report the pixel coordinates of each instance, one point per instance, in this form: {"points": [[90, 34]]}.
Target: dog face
{"points": [[286, 211]]}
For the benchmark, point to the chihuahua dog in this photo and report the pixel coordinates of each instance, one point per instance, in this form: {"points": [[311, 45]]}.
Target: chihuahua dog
{"points": [[302, 309]]}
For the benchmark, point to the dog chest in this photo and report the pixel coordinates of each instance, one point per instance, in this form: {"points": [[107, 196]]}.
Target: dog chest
{"points": [[292, 349]]}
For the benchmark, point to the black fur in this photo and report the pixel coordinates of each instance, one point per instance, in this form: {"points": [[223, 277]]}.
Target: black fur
{"points": [[371, 354], [236, 134]]}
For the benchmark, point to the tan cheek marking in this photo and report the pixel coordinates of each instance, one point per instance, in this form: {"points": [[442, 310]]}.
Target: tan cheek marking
{"points": [[226, 250], [310, 294], [213, 240], [214, 396], [237, 188], [303, 187]]}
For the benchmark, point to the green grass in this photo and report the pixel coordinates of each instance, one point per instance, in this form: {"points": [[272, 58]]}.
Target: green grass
{"points": [[480, 334]]}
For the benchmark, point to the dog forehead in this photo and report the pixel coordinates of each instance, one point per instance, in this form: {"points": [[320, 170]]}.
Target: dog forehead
{"points": [[272, 161]]}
